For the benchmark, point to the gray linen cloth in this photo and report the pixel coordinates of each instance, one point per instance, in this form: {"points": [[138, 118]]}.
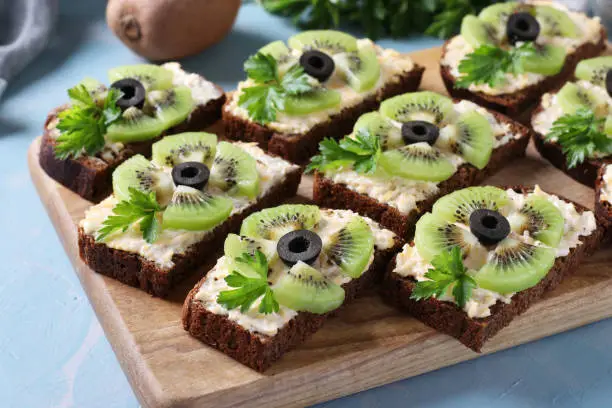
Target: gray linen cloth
{"points": [[25, 28]]}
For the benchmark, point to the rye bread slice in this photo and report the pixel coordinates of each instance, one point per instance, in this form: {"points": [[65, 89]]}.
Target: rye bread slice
{"points": [[137, 271], [299, 148], [326, 193], [90, 176], [518, 104], [259, 351], [448, 318], [603, 208]]}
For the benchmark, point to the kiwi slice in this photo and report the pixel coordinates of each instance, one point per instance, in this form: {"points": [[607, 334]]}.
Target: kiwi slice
{"points": [[139, 173], [184, 147], [328, 41], [273, 223], [555, 22], [236, 245], [316, 100], [277, 50], [304, 289], [541, 218], [234, 171], [172, 106], [608, 126], [514, 266], [95, 88], [471, 137], [194, 210], [458, 205], [434, 234], [427, 106], [572, 97], [150, 76], [134, 126], [418, 161], [376, 124], [498, 14], [547, 60], [361, 68], [352, 247], [477, 32], [594, 70]]}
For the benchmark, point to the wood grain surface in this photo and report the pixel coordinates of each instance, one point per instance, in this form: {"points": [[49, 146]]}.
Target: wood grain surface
{"points": [[366, 345]]}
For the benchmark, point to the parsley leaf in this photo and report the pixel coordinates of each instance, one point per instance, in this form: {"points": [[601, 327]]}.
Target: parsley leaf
{"points": [[580, 136], [361, 151], [84, 124], [489, 64], [448, 270], [267, 97], [142, 208], [249, 288]]}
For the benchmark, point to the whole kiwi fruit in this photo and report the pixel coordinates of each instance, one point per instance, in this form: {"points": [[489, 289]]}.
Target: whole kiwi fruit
{"points": [[170, 29]]}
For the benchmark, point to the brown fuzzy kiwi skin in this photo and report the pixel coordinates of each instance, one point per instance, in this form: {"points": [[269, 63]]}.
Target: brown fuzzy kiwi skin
{"points": [[161, 30]]}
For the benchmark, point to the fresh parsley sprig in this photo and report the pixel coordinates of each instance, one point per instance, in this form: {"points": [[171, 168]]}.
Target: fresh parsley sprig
{"points": [[84, 124], [488, 64], [361, 151], [580, 136], [448, 270], [267, 97], [249, 288], [142, 208]]}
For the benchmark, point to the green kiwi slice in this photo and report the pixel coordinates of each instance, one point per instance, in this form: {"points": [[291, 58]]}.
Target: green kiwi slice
{"points": [[418, 161], [470, 137], [304, 289], [514, 266], [572, 97], [329, 41], [185, 147], [234, 171], [477, 32], [95, 88], [134, 126], [555, 22], [498, 14], [541, 218], [313, 101], [273, 223], [458, 205], [548, 60], [594, 70], [426, 105], [608, 126], [352, 247], [277, 50], [172, 106], [151, 76], [139, 173], [361, 68], [194, 210], [376, 124], [236, 245]]}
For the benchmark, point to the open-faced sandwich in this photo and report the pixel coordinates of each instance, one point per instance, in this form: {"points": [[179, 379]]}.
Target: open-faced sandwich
{"points": [[101, 127], [288, 270], [483, 255], [512, 53], [415, 149], [167, 216], [603, 198], [573, 126], [316, 85]]}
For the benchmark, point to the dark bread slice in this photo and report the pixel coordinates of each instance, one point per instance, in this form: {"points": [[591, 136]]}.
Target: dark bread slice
{"points": [[299, 148], [603, 209], [326, 193], [584, 173], [135, 270], [520, 102], [90, 176], [259, 351], [448, 318]]}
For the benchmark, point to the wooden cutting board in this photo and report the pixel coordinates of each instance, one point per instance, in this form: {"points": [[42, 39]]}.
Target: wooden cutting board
{"points": [[367, 345]]}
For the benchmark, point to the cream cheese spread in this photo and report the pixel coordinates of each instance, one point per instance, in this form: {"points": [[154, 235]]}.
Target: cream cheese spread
{"points": [[410, 263], [271, 170], [268, 324], [404, 194], [605, 193], [458, 48], [393, 66]]}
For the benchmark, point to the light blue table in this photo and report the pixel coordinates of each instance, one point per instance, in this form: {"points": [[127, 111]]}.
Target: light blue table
{"points": [[53, 352]]}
